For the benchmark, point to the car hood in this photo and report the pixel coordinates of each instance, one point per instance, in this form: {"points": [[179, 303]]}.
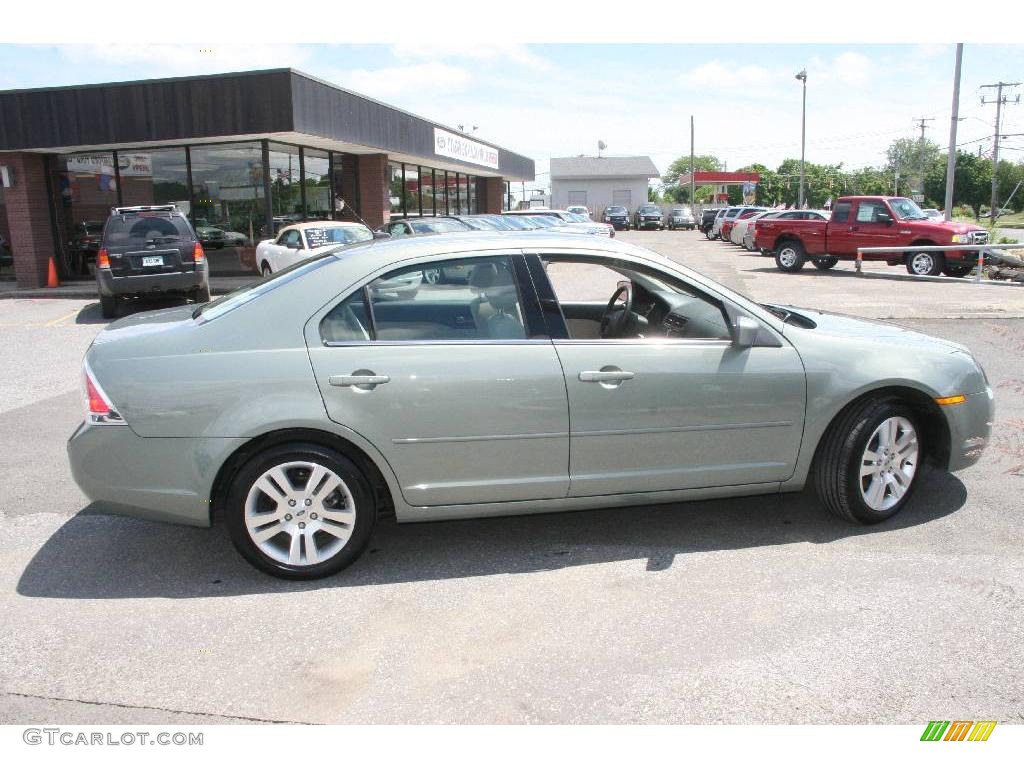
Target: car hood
{"points": [[849, 327], [941, 227]]}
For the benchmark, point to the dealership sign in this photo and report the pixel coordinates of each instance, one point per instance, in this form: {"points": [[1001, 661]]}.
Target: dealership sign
{"points": [[461, 148]]}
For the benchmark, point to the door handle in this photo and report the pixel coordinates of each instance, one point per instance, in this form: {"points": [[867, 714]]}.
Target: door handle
{"points": [[358, 380], [855, 229], [605, 375]]}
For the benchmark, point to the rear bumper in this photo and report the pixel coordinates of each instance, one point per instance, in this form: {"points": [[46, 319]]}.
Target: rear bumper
{"points": [[136, 285], [970, 427], [164, 479]]}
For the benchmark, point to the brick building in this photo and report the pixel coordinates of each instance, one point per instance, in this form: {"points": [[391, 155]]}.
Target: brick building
{"points": [[246, 152]]}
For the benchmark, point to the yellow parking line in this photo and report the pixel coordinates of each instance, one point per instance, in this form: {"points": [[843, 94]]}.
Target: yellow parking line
{"points": [[60, 320]]}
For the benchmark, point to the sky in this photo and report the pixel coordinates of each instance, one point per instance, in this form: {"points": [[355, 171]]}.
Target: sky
{"points": [[549, 100]]}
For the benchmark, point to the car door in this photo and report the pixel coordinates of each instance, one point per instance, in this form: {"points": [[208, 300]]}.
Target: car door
{"points": [[874, 227], [671, 410], [457, 385]]}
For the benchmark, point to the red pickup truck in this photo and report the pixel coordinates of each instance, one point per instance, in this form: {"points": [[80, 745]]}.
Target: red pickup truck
{"points": [[863, 222]]}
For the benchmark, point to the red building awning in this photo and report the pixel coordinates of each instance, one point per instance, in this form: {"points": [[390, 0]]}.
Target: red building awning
{"points": [[719, 177]]}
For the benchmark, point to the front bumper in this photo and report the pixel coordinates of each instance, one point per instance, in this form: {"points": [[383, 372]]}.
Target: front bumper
{"points": [[652, 223], [110, 284], [970, 428], [154, 478]]}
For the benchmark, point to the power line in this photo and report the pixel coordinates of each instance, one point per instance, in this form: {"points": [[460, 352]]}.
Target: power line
{"points": [[999, 100]]}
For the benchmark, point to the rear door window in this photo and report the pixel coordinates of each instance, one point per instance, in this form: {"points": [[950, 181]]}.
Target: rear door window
{"points": [[842, 212], [141, 231]]}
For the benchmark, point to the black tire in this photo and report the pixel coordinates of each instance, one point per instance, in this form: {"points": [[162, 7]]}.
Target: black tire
{"points": [[201, 295], [790, 256], [108, 306], [825, 264], [957, 270], [359, 488], [265, 269], [925, 263], [707, 234], [840, 454]]}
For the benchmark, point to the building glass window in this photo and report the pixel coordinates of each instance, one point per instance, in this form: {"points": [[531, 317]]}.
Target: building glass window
{"points": [[443, 181], [427, 191], [86, 191], [395, 182], [411, 189], [227, 190], [285, 192], [471, 206], [317, 184], [154, 177], [5, 232]]}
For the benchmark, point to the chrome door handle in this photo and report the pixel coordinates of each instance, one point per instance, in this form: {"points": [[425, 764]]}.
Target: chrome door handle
{"points": [[605, 375], [358, 380]]}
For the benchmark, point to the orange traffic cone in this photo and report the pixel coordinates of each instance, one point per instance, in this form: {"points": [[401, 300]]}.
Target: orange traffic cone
{"points": [[51, 276]]}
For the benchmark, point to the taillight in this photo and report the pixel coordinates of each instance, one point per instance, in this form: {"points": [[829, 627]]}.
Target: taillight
{"points": [[99, 409], [103, 259], [198, 256]]}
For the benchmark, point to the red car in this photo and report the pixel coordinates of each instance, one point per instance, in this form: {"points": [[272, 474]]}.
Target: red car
{"points": [[863, 222]]}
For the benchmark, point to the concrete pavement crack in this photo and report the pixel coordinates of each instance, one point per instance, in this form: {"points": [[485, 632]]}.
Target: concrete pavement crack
{"points": [[155, 709]]}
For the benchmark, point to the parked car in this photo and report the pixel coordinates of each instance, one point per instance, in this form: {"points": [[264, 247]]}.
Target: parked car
{"points": [[869, 221], [236, 239], [300, 241], [480, 399], [681, 218], [582, 210], [617, 216], [147, 250], [209, 235], [84, 245], [423, 225], [707, 219], [648, 216], [749, 237], [743, 212], [571, 221], [716, 226]]}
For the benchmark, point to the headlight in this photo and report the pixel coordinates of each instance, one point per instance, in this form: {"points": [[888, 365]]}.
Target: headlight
{"points": [[961, 238]]}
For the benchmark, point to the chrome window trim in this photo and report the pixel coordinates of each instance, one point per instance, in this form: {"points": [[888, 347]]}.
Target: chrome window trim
{"points": [[434, 342]]}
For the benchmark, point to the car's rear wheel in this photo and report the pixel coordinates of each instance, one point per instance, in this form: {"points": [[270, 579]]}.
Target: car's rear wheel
{"points": [[925, 263], [957, 270], [201, 295], [108, 306], [867, 464], [790, 256], [825, 264], [300, 511]]}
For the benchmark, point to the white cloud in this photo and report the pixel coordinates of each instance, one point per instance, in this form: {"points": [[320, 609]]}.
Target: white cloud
{"points": [[183, 59], [491, 53], [720, 76], [433, 77], [851, 68]]}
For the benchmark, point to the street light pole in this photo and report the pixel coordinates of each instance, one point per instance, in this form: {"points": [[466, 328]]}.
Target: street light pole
{"points": [[802, 76]]}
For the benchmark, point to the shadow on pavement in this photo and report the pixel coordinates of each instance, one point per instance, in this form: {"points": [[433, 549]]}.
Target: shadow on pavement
{"points": [[96, 555]]}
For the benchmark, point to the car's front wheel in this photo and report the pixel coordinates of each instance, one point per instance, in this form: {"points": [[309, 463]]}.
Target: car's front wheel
{"points": [[300, 511], [867, 465], [957, 270], [925, 263]]}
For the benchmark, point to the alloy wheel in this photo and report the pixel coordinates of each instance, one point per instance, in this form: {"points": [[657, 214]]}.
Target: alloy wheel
{"points": [[888, 463], [922, 263], [300, 513], [787, 256]]}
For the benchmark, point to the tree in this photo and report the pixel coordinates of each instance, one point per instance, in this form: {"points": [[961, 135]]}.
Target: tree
{"points": [[676, 193], [912, 159], [972, 181]]}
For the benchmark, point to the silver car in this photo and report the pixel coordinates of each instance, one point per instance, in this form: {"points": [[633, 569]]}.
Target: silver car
{"points": [[566, 373]]}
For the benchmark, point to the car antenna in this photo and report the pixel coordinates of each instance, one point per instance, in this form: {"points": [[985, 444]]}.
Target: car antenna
{"points": [[341, 207]]}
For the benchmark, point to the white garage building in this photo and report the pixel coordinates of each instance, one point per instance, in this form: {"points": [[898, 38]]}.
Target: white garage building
{"points": [[598, 182]]}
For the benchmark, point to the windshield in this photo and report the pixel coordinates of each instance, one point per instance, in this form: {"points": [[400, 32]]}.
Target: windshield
{"points": [[521, 223], [906, 209], [317, 237], [548, 221], [438, 226], [649, 209], [578, 218], [480, 224], [254, 290], [617, 210]]}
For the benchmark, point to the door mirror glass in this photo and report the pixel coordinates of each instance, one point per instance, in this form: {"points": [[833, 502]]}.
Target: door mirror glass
{"points": [[883, 218]]}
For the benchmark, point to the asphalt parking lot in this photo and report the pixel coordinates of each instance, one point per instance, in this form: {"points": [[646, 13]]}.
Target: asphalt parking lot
{"points": [[758, 610]]}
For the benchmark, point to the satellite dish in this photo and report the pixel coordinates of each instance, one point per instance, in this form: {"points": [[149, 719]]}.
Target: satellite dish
{"points": [[600, 145]]}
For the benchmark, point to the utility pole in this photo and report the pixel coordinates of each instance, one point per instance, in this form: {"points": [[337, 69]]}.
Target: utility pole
{"points": [[693, 170], [802, 76], [922, 123], [999, 100], [953, 121]]}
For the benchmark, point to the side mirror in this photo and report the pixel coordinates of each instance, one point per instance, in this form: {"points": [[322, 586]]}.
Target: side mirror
{"points": [[381, 235], [746, 331], [883, 218]]}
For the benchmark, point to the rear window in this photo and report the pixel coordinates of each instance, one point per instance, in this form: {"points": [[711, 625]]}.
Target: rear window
{"points": [[317, 237], [438, 226], [142, 230], [842, 212]]}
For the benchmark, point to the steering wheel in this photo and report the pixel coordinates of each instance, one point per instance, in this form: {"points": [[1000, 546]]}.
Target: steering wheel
{"points": [[614, 321]]}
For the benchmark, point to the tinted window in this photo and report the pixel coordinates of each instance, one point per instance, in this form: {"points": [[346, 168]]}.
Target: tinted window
{"points": [[842, 212], [437, 226], [455, 300], [317, 237]]}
